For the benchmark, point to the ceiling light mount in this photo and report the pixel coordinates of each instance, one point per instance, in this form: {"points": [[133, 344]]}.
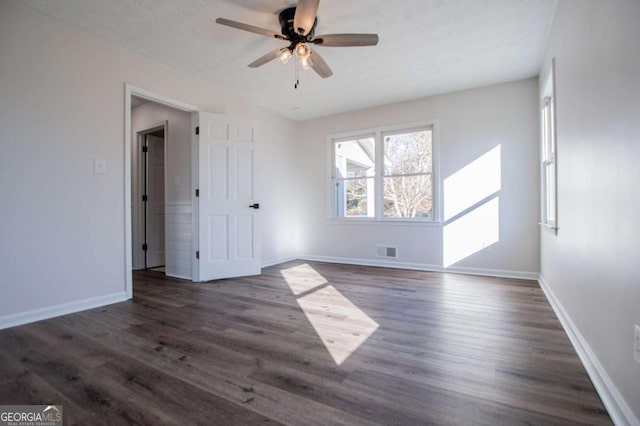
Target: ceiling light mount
{"points": [[286, 18]]}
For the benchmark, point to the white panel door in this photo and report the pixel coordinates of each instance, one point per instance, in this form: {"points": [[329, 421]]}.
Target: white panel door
{"points": [[228, 234], [155, 202]]}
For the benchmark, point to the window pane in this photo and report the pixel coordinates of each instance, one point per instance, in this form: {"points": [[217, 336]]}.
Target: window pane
{"points": [[548, 134], [545, 132], [407, 153], [552, 133], [355, 198], [355, 158], [408, 196], [550, 194]]}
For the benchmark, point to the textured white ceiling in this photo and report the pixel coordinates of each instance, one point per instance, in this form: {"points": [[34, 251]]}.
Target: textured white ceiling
{"points": [[426, 46]]}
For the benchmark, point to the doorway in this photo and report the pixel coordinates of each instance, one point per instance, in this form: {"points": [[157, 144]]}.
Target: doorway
{"points": [[195, 166], [180, 259], [152, 144]]}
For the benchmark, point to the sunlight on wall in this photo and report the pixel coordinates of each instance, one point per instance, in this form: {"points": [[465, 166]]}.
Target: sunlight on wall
{"points": [[340, 324], [471, 233], [472, 208], [472, 184]]}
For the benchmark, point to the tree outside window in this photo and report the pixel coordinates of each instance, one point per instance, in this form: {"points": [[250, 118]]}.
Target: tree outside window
{"points": [[407, 174]]}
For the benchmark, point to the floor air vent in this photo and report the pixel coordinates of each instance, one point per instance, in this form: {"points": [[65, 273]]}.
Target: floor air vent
{"points": [[387, 251]]}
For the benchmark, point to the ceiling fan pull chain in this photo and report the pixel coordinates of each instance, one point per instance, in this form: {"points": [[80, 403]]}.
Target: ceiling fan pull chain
{"points": [[295, 65]]}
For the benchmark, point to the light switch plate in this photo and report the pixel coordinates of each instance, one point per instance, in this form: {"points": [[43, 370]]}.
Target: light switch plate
{"points": [[99, 166]]}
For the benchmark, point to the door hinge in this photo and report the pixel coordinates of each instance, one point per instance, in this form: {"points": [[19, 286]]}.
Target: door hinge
{"points": [[144, 148], [198, 254], [144, 247], [197, 192], [198, 130], [144, 198]]}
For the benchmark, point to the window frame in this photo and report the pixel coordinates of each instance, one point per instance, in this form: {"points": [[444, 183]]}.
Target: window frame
{"points": [[378, 134], [548, 154]]}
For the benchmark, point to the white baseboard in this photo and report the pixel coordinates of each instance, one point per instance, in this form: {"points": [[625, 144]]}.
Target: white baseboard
{"points": [[63, 309], [273, 262], [618, 409], [424, 267]]}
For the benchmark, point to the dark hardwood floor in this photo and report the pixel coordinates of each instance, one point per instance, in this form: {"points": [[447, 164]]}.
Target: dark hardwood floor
{"points": [[303, 344]]}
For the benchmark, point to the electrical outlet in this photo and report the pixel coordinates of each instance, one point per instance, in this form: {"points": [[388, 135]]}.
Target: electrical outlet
{"points": [[636, 346]]}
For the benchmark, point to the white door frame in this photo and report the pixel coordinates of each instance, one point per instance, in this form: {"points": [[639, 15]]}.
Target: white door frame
{"points": [[129, 91]]}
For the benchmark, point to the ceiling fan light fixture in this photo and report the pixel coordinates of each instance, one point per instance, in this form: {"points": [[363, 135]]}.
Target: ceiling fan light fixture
{"points": [[302, 50], [285, 54]]}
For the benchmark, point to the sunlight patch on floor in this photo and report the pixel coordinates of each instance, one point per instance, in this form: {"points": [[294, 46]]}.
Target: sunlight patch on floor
{"points": [[302, 278], [340, 324]]}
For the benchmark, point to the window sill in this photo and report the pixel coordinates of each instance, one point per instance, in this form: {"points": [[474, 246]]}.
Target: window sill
{"points": [[549, 226], [387, 222]]}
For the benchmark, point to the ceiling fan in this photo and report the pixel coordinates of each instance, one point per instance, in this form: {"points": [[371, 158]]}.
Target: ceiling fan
{"points": [[298, 26]]}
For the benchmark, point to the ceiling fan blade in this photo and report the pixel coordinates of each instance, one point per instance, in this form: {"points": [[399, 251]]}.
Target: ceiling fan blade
{"points": [[250, 28], [305, 17], [344, 40], [265, 58], [320, 66]]}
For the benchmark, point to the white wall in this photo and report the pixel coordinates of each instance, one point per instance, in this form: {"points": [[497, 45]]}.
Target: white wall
{"points": [[593, 265], [62, 105], [278, 181], [471, 123], [178, 185]]}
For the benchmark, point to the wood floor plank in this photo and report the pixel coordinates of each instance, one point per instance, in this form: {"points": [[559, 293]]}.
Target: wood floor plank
{"points": [[307, 343]]}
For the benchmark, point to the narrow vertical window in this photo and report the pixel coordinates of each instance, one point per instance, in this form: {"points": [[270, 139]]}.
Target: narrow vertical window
{"points": [[549, 161]]}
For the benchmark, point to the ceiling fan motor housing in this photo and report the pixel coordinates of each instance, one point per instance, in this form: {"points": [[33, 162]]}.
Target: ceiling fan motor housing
{"points": [[286, 26]]}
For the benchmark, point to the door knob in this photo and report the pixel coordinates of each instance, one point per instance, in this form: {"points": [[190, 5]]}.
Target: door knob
{"points": [[254, 206]]}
